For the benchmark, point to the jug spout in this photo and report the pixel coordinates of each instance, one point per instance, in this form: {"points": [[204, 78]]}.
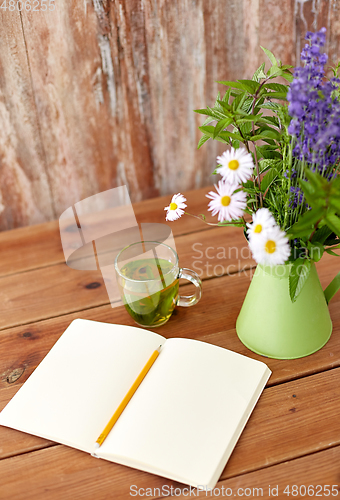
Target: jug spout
{"points": [[332, 288]]}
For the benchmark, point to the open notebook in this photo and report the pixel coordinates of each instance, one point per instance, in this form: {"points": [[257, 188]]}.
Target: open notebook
{"points": [[183, 421]]}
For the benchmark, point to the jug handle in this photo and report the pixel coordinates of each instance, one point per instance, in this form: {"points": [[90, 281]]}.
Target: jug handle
{"points": [[332, 288]]}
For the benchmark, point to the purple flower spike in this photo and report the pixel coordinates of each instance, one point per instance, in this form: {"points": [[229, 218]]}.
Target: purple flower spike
{"points": [[315, 112]]}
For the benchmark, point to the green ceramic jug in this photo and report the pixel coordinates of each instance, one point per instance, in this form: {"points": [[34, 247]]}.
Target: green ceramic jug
{"points": [[271, 325]]}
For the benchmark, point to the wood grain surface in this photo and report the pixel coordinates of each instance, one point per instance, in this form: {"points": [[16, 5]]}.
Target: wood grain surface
{"points": [[284, 426], [293, 435], [101, 93], [25, 195]]}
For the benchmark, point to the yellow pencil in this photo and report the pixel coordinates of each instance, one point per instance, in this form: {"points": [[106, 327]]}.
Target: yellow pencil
{"points": [[127, 398]]}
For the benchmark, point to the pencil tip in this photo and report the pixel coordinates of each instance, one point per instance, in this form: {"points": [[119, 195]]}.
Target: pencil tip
{"points": [[96, 446]]}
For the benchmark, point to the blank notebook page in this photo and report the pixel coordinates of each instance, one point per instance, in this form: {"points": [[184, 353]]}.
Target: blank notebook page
{"points": [[188, 410], [73, 393]]}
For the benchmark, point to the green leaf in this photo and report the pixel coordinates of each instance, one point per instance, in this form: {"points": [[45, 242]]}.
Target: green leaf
{"points": [[272, 105], [270, 120], [332, 288], [258, 105], [226, 135], [214, 113], [274, 71], [249, 118], [250, 85], [333, 222], [270, 55], [247, 85], [287, 66], [256, 137], [315, 250], [239, 111], [225, 97], [270, 163], [298, 276], [309, 192], [321, 235], [245, 127], [209, 131], [335, 203], [270, 133], [330, 242], [248, 104], [278, 87], [218, 112], [217, 98], [328, 250], [248, 184], [238, 102], [275, 95], [315, 179], [265, 148], [204, 112], [265, 134], [288, 76], [268, 152], [222, 124], [307, 187], [202, 140], [207, 121], [265, 165], [234, 85], [268, 179], [226, 108], [336, 182], [259, 73], [306, 221]]}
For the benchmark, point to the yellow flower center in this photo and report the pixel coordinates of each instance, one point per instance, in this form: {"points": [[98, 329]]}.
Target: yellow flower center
{"points": [[225, 201], [173, 206], [270, 246], [233, 164], [258, 228]]}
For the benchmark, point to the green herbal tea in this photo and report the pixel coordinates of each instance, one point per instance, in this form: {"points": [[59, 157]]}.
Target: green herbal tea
{"points": [[151, 298]]}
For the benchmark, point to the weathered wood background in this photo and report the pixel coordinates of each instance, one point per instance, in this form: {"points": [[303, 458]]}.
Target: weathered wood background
{"points": [[100, 93]]}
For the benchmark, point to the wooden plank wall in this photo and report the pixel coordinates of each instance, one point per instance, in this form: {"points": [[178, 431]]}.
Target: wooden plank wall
{"points": [[100, 93]]}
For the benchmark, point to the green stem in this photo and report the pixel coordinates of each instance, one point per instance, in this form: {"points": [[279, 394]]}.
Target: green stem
{"points": [[290, 156], [253, 130], [214, 224], [245, 142], [315, 228], [201, 219]]}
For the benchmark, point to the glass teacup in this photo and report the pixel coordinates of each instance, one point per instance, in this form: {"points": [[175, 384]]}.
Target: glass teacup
{"points": [[148, 278]]}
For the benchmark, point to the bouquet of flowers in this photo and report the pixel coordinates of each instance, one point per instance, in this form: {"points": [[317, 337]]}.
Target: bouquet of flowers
{"points": [[282, 162]]}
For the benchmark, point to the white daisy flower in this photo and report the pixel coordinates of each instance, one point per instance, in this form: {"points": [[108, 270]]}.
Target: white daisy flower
{"points": [[236, 165], [226, 203], [175, 209], [262, 222], [272, 249]]}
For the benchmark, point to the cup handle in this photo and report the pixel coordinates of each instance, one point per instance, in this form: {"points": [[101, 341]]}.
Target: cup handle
{"points": [[190, 300]]}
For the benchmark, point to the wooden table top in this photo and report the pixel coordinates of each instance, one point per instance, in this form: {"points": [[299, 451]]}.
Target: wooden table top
{"points": [[293, 435]]}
